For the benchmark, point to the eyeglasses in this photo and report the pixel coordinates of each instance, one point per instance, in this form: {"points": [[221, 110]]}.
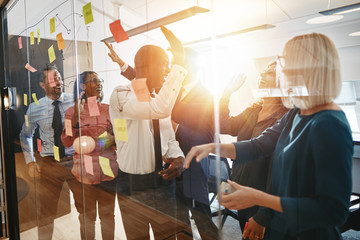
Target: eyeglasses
{"points": [[95, 80]]}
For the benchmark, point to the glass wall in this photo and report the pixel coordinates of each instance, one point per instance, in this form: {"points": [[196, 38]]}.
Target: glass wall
{"points": [[108, 104]]}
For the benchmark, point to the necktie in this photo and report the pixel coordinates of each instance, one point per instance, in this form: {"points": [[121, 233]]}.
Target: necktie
{"points": [[58, 128], [157, 145]]}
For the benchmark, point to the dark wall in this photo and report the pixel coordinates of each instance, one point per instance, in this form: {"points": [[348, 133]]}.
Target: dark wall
{"points": [[37, 56]]}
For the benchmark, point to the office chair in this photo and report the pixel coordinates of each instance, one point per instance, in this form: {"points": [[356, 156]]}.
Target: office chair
{"points": [[213, 187]]}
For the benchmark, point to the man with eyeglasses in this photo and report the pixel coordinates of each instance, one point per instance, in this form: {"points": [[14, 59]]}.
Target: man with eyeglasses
{"points": [[48, 116]]}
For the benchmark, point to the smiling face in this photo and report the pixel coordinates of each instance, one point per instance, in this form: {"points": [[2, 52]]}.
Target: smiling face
{"points": [[52, 90], [268, 77], [93, 86]]}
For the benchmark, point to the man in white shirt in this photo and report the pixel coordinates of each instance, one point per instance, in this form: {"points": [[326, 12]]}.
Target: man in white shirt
{"points": [[137, 155]]}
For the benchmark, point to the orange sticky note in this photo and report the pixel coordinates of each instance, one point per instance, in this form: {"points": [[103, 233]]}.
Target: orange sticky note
{"points": [[89, 168], [56, 153], [52, 25], [87, 12], [26, 120], [30, 68], [25, 99], [60, 41], [39, 144], [35, 99], [105, 166], [68, 127], [93, 106], [32, 38], [51, 53], [38, 36], [118, 32], [120, 129], [141, 90], [20, 42], [51, 80]]}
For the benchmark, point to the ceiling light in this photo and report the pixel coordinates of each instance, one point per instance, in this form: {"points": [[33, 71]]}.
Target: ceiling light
{"points": [[324, 19], [354, 34], [189, 12], [341, 10], [224, 35]]}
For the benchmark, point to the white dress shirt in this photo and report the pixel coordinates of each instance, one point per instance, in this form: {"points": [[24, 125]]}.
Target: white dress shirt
{"points": [[137, 155]]}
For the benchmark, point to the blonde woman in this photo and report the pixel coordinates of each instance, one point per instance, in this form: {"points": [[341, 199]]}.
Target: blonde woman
{"points": [[312, 145]]}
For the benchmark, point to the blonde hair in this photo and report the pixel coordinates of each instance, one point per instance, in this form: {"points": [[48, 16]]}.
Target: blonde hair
{"points": [[311, 61]]}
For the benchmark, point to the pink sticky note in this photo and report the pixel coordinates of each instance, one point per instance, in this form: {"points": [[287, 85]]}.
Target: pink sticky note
{"points": [[88, 164], [20, 42], [30, 68], [39, 145], [93, 107], [51, 80], [118, 32], [68, 127], [141, 90]]}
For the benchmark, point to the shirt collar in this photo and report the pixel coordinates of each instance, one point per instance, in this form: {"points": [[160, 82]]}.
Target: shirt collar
{"points": [[60, 99]]}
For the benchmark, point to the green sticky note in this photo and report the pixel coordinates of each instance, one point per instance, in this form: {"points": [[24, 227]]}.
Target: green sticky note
{"points": [[32, 38], [35, 99], [88, 16], [105, 166], [51, 52], [25, 99], [56, 153], [38, 36], [26, 120], [52, 25], [120, 130]]}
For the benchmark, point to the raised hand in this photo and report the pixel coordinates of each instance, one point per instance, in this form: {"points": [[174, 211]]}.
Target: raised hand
{"points": [[112, 54], [176, 46], [235, 83], [79, 106]]}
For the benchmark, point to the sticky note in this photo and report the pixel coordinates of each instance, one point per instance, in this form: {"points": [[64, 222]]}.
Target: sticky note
{"points": [[35, 99], [89, 168], [88, 16], [68, 127], [25, 99], [20, 42], [52, 25], [39, 145], [93, 106], [118, 32], [32, 39], [26, 120], [56, 153], [120, 130], [38, 36], [141, 90], [51, 80], [105, 166], [30, 68], [51, 54], [60, 41], [104, 134]]}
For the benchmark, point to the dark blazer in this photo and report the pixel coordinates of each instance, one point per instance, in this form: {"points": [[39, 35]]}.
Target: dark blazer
{"points": [[195, 114]]}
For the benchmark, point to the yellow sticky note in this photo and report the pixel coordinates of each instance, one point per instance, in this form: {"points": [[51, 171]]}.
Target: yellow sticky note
{"points": [[52, 25], [105, 166], [88, 16], [25, 99], [56, 153], [104, 134], [68, 127], [32, 39], [121, 130], [38, 36], [60, 41], [35, 99], [51, 54], [26, 120]]}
